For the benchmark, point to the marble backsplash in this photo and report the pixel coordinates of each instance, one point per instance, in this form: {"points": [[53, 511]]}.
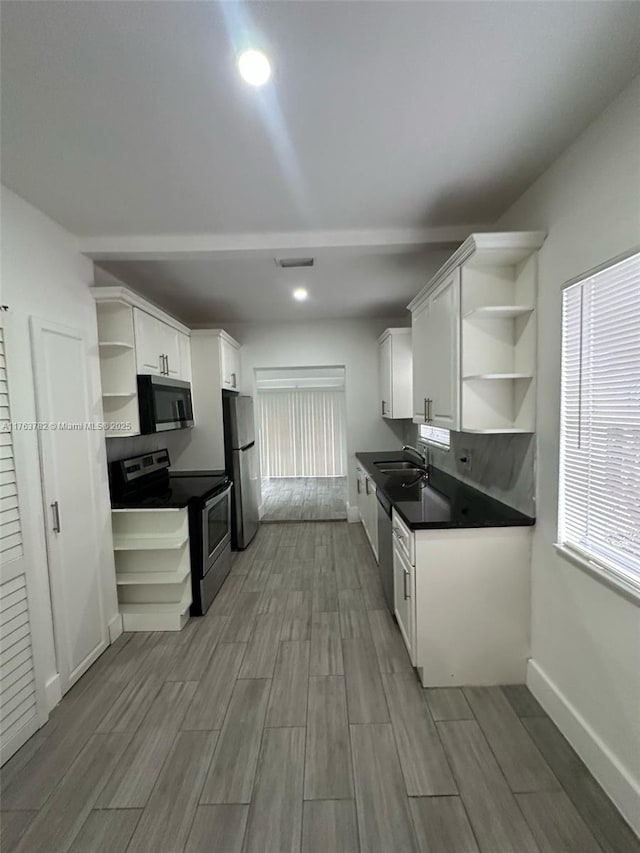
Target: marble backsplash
{"points": [[502, 466]]}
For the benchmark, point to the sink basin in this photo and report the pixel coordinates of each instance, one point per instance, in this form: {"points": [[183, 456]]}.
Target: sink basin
{"points": [[390, 467]]}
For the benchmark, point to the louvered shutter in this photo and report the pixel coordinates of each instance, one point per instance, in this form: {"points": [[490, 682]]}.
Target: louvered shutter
{"points": [[18, 699]]}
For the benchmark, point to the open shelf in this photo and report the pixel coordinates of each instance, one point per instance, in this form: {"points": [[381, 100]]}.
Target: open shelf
{"points": [[155, 607], [116, 348], [148, 543], [144, 578], [153, 568], [115, 345], [156, 616], [499, 312]]}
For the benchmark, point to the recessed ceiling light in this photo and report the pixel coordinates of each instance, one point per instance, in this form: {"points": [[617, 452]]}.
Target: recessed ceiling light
{"points": [[300, 294], [254, 67]]}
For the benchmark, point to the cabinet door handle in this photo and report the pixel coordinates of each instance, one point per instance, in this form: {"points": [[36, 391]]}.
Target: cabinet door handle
{"points": [[383, 408], [425, 410], [358, 485], [166, 361], [366, 485], [406, 594], [428, 403], [233, 379], [56, 516]]}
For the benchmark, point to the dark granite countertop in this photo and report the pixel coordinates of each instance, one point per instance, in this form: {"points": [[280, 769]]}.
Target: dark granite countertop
{"points": [[444, 503]]}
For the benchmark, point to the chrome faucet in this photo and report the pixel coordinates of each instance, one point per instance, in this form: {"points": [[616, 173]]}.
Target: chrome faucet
{"points": [[422, 456]]}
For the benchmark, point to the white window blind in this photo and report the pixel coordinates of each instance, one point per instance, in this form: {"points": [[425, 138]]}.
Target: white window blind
{"points": [[436, 436], [599, 508], [302, 433]]}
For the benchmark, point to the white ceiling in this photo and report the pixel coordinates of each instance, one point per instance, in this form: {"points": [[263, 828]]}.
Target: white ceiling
{"points": [[130, 117], [122, 119], [344, 285]]}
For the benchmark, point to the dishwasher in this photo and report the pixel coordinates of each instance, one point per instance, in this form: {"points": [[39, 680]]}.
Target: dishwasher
{"points": [[385, 548]]}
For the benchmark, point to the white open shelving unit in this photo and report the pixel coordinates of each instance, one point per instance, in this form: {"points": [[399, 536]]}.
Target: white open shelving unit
{"points": [[153, 568], [116, 347], [498, 340]]}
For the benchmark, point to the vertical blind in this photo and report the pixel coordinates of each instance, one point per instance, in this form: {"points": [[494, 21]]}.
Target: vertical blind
{"points": [[599, 510], [302, 433]]}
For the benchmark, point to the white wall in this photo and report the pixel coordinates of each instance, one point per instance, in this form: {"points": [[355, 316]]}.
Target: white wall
{"points": [[43, 275], [585, 644], [352, 343]]}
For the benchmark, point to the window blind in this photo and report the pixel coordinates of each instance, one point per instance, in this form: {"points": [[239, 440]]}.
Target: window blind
{"points": [[599, 500], [437, 436], [302, 433]]}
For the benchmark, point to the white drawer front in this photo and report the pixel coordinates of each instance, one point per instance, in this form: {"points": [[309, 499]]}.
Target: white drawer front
{"points": [[404, 538]]}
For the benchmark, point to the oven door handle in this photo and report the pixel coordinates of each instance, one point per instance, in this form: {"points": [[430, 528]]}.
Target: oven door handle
{"points": [[218, 497]]}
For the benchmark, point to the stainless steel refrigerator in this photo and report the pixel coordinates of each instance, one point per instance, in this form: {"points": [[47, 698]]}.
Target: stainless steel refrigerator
{"points": [[241, 460]]}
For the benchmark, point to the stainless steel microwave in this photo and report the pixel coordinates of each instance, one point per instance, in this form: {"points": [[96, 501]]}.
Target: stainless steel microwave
{"points": [[164, 403]]}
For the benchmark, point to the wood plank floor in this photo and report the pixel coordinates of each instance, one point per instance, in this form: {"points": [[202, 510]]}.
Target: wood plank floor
{"points": [[304, 498], [289, 720]]}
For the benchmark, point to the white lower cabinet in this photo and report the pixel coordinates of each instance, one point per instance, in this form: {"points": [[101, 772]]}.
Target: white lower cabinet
{"points": [[463, 602], [368, 507], [404, 595]]}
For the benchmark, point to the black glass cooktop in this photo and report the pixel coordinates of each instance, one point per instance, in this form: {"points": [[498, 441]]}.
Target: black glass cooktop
{"points": [[178, 491]]}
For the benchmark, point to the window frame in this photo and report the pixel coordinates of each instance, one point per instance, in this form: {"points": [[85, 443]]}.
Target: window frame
{"points": [[617, 578]]}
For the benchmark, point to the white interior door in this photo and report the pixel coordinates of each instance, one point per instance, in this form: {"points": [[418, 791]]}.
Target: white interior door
{"points": [[22, 704], [68, 492]]}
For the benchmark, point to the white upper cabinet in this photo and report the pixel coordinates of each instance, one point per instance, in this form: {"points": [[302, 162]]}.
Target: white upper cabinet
{"points": [[394, 356], [135, 337], [172, 350], [160, 348], [474, 337], [436, 356], [148, 343], [229, 362]]}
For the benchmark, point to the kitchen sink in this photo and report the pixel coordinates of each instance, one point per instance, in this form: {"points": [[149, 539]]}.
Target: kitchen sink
{"points": [[390, 467]]}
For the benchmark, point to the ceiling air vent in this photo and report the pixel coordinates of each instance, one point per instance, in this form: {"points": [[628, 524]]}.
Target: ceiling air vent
{"points": [[294, 263]]}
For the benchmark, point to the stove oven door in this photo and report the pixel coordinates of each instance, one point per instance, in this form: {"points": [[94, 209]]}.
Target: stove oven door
{"points": [[216, 549]]}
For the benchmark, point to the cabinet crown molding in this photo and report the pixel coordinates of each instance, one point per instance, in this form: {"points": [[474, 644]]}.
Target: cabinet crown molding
{"points": [[127, 296], [500, 248], [215, 333], [400, 330]]}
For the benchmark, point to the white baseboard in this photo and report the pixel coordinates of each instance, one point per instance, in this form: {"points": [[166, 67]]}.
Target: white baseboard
{"points": [[353, 514], [115, 627], [52, 692], [607, 768]]}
